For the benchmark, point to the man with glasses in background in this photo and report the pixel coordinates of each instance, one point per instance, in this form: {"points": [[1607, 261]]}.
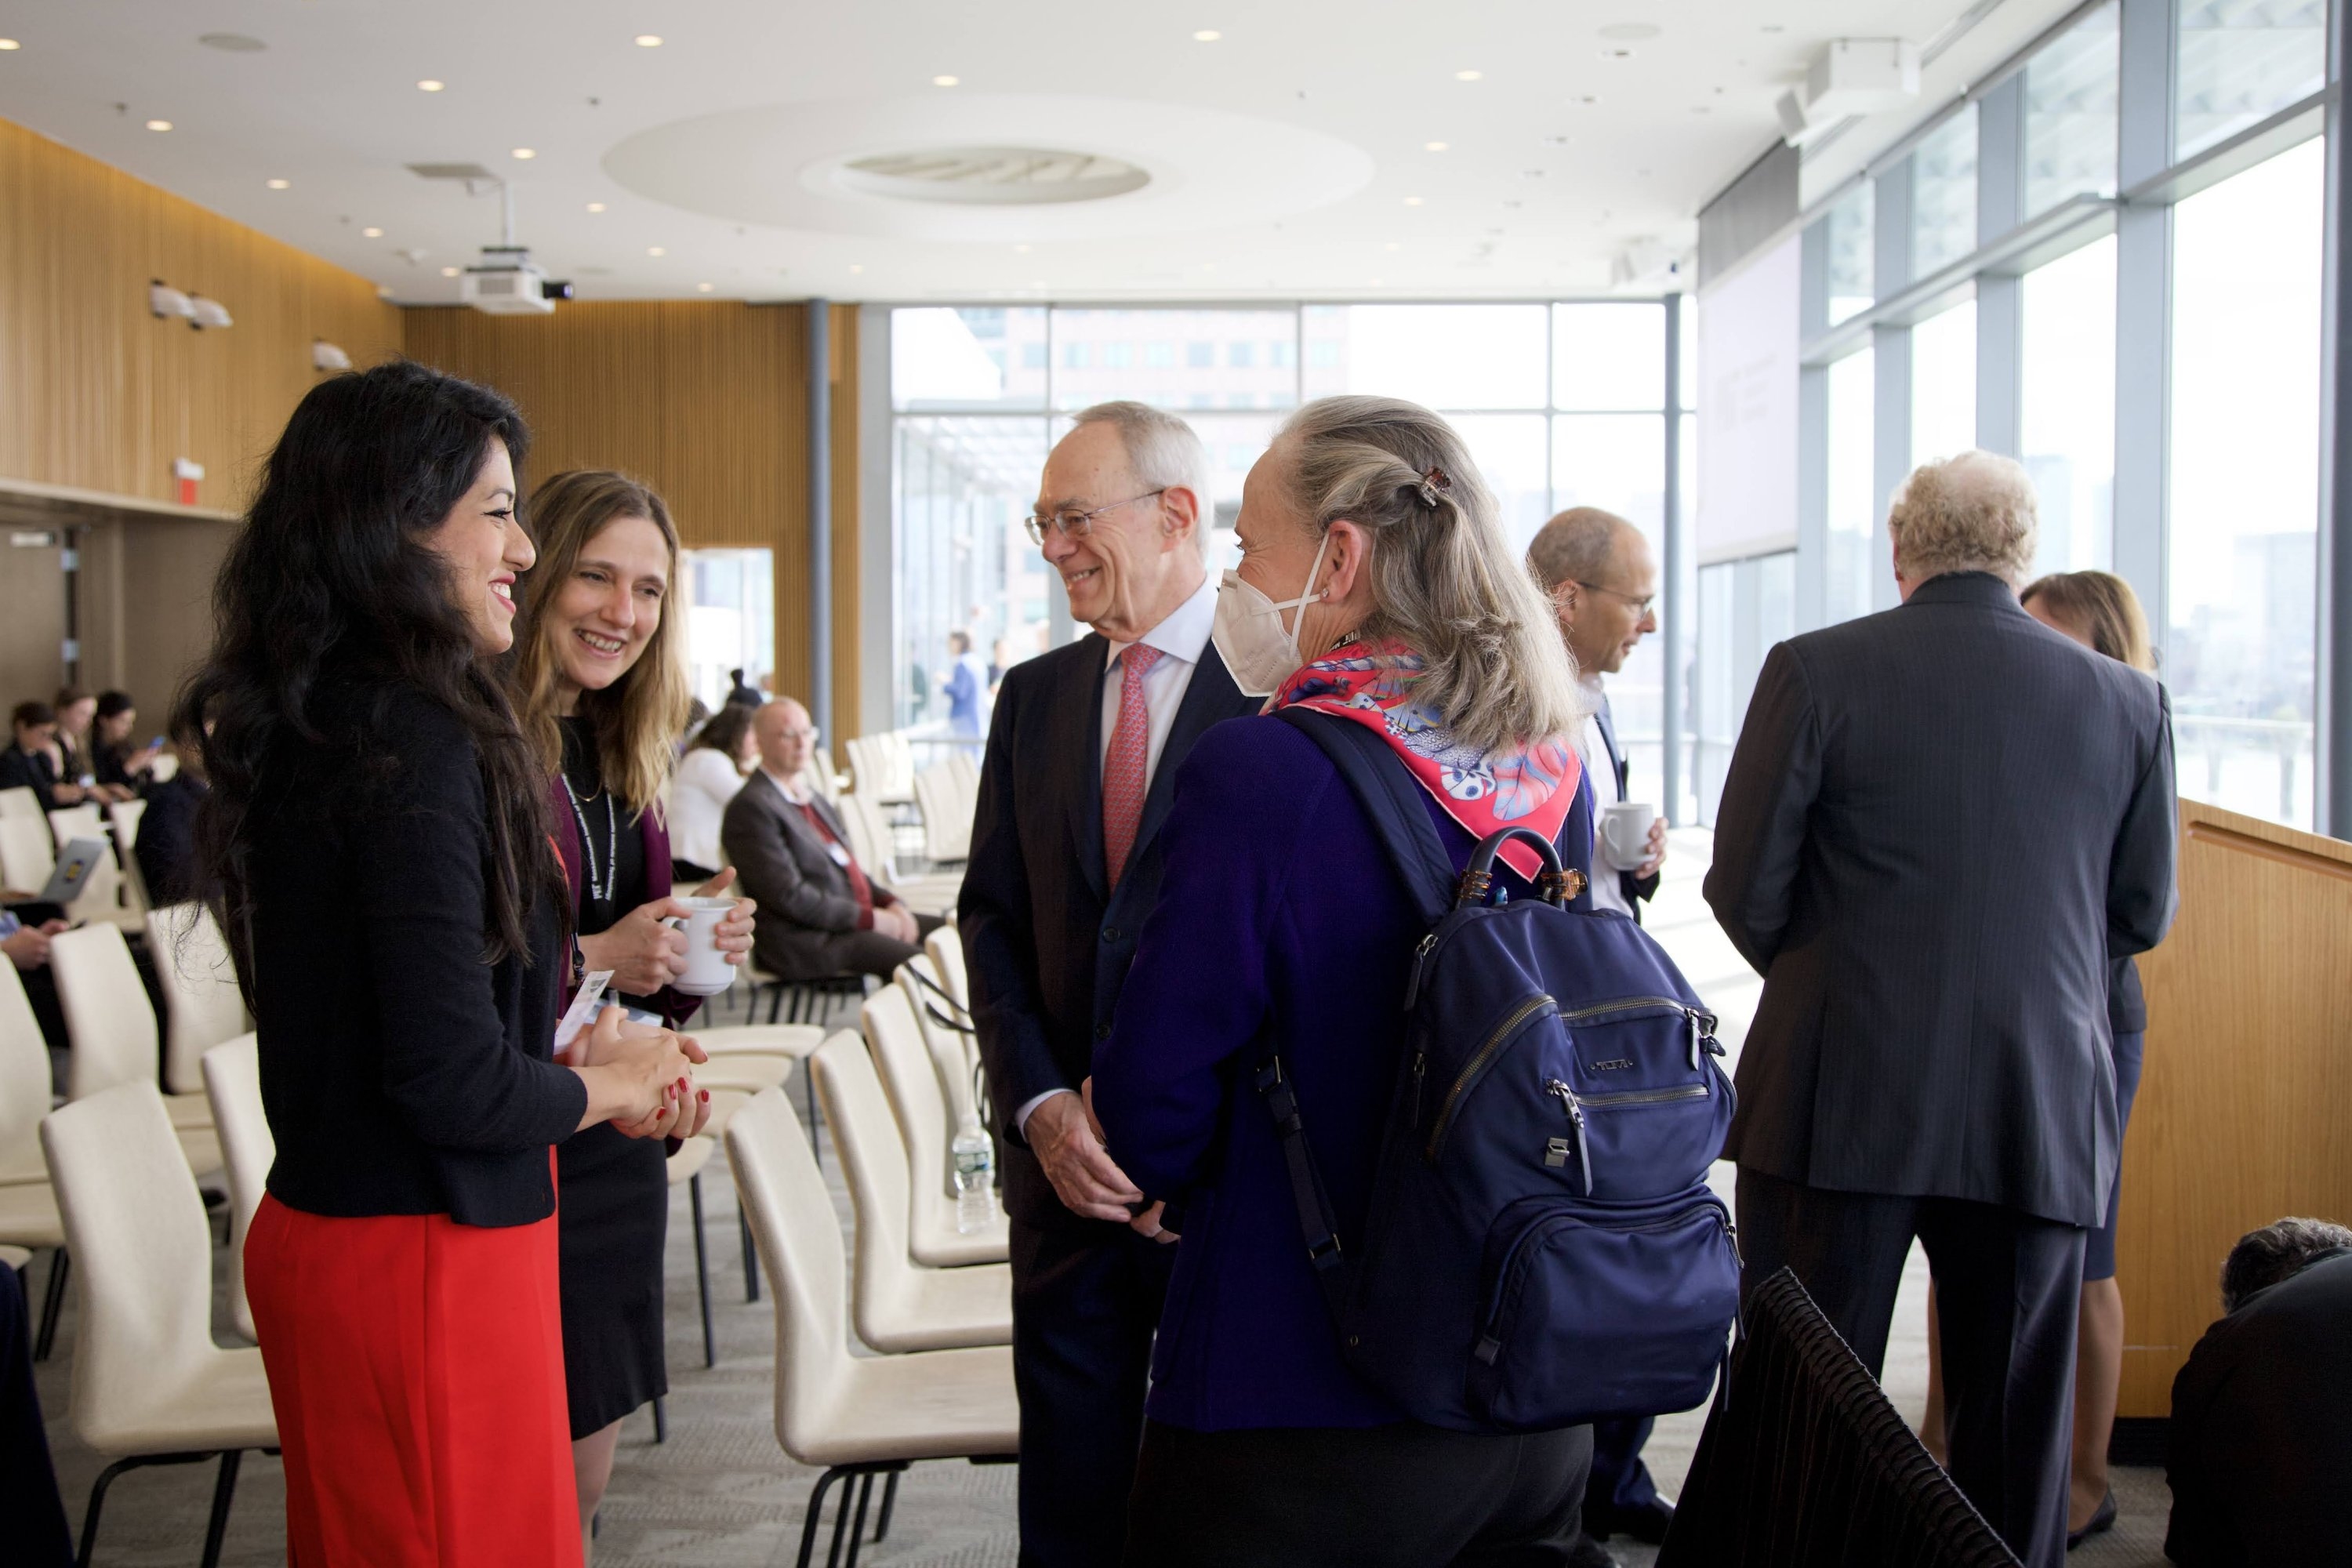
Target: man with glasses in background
{"points": [[1601, 578], [1082, 757]]}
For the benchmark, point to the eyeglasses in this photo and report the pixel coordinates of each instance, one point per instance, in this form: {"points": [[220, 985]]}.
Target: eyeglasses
{"points": [[1074, 524], [1641, 605]]}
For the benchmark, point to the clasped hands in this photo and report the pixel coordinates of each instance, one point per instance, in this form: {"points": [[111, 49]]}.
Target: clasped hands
{"points": [[1068, 1143], [645, 954], [660, 1064]]}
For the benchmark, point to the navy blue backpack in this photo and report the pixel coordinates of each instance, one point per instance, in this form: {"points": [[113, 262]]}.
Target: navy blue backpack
{"points": [[1542, 1248]]}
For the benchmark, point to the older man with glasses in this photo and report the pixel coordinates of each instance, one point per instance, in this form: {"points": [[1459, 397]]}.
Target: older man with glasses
{"points": [[1082, 759]]}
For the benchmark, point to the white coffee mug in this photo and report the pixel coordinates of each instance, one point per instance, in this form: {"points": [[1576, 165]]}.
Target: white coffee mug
{"points": [[707, 972], [1625, 833]]}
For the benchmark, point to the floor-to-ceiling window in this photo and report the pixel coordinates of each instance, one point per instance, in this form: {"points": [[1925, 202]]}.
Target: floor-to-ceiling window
{"points": [[1561, 404], [2067, 413], [1855, 508], [1944, 384], [2240, 628]]}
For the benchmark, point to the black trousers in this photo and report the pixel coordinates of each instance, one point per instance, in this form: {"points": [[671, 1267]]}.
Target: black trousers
{"points": [[1619, 1479], [1406, 1496], [2007, 1289], [1086, 1302], [34, 1517]]}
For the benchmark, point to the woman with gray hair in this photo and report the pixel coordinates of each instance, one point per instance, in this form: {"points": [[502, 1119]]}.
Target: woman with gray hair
{"points": [[1376, 586]]}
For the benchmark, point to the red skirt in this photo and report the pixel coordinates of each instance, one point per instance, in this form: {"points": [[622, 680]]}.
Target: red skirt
{"points": [[417, 1368]]}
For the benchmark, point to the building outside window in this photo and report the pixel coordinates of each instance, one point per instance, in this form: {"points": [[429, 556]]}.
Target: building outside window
{"points": [[2069, 114], [1944, 194], [1855, 508], [730, 618], [2243, 60], [2241, 629], [1848, 230], [1944, 384]]}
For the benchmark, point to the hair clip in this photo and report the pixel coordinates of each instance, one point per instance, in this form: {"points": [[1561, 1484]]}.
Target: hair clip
{"points": [[1432, 485]]}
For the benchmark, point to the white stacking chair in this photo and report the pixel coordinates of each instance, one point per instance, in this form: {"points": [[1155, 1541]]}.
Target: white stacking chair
{"points": [[232, 1074], [947, 820], [20, 803], [202, 1003], [67, 822], [944, 948], [941, 1022], [102, 898], [964, 767], [898, 1305], [685, 1170], [912, 1084], [123, 817], [114, 1032], [166, 768], [855, 1416], [28, 854], [150, 1387], [28, 1207]]}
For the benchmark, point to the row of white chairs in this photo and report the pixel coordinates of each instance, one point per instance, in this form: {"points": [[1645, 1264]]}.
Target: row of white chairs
{"points": [[116, 893]]}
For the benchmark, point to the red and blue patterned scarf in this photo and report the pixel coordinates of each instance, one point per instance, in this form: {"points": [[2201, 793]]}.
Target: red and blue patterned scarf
{"points": [[1529, 786]]}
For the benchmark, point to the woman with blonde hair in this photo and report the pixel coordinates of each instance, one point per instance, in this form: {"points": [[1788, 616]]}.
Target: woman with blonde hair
{"points": [[600, 690], [2099, 610], [1376, 587]]}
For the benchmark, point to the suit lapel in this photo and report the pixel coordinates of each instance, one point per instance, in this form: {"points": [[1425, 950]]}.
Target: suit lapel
{"points": [[1077, 751], [1608, 726], [1210, 697]]}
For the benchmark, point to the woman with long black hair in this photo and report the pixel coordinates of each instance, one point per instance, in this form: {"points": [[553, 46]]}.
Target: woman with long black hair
{"points": [[376, 847]]}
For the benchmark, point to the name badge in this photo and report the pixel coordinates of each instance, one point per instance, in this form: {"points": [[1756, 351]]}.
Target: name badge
{"points": [[840, 856], [582, 1011]]}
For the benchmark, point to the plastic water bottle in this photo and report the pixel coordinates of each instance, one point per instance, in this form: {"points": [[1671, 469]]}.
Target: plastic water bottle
{"points": [[975, 1178]]}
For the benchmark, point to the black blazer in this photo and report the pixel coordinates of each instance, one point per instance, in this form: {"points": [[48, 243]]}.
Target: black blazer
{"points": [[1046, 943], [21, 769], [1938, 824], [782, 862], [1637, 891], [2261, 1440]]}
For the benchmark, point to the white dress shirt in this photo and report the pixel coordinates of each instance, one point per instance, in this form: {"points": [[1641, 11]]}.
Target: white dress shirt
{"points": [[1608, 888], [706, 782], [1181, 636]]}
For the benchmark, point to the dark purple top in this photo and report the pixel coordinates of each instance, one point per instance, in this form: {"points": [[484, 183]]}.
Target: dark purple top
{"points": [[1278, 888]]}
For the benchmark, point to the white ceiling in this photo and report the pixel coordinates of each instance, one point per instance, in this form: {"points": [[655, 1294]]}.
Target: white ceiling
{"points": [[1290, 157]]}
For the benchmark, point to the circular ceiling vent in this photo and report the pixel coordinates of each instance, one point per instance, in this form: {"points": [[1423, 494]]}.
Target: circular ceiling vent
{"points": [[991, 176]]}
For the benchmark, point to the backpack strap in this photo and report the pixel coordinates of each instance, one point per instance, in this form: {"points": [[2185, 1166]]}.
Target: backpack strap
{"points": [[1317, 1223], [1392, 797]]}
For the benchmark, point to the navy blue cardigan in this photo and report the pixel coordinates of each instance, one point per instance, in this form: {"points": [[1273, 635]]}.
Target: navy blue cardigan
{"points": [[1281, 920]]}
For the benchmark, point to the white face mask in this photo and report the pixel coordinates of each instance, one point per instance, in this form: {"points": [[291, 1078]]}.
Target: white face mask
{"points": [[1257, 648]]}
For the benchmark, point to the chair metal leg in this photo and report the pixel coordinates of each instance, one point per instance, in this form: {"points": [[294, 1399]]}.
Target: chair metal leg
{"points": [[661, 1420], [889, 1504], [751, 1256], [702, 1271], [136, 1462], [857, 1527], [816, 1513], [224, 1492], [808, 1088], [840, 1522], [53, 1301]]}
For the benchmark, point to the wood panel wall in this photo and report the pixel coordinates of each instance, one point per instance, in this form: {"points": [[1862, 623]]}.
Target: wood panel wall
{"points": [[97, 393], [2244, 1114], [706, 401]]}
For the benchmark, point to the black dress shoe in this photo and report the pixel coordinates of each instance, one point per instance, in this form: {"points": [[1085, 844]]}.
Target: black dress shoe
{"points": [[2103, 1519], [1645, 1521], [1589, 1553]]}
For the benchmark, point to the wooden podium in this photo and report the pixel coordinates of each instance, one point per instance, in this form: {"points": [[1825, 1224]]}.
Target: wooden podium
{"points": [[2244, 1114]]}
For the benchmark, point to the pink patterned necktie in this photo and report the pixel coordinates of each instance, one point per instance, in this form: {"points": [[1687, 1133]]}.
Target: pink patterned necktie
{"points": [[1123, 768]]}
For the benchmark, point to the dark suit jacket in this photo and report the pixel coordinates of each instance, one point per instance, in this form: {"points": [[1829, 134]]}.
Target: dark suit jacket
{"points": [[1938, 824], [1637, 891], [780, 860], [21, 769], [2261, 1440], [1047, 942], [166, 845]]}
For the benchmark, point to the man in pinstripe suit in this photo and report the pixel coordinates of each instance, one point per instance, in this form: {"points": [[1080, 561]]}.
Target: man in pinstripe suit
{"points": [[1938, 824]]}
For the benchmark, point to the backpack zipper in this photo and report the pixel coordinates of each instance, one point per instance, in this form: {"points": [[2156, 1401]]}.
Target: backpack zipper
{"points": [[1478, 1064], [1647, 1096], [1569, 1098]]}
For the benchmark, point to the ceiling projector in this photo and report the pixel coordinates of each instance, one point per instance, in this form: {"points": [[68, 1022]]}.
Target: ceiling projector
{"points": [[507, 283]]}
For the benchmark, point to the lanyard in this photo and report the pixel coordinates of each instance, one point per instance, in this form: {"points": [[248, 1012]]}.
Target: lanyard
{"points": [[600, 893]]}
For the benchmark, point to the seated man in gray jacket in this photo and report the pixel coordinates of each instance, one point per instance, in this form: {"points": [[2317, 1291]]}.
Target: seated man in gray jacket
{"points": [[819, 913]]}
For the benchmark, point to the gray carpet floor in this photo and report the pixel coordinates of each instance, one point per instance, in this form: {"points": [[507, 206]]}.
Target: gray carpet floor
{"points": [[719, 1492]]}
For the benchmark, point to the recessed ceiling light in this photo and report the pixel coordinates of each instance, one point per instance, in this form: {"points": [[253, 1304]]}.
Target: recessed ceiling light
{"points": [[430, 85], [448, 272], [371, 233], [649, 41], [1468, 76], [1412, 201], [945, 80], [526, 151], [158, 125], [1021, 250], [279, 184], [383, 290], [656, 250], [596, 206], [1393, 244], [1372, 283], [854, 267], [703, 287], [7, 44], [1432, 146], [1631, 32], [1207, 35]]}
